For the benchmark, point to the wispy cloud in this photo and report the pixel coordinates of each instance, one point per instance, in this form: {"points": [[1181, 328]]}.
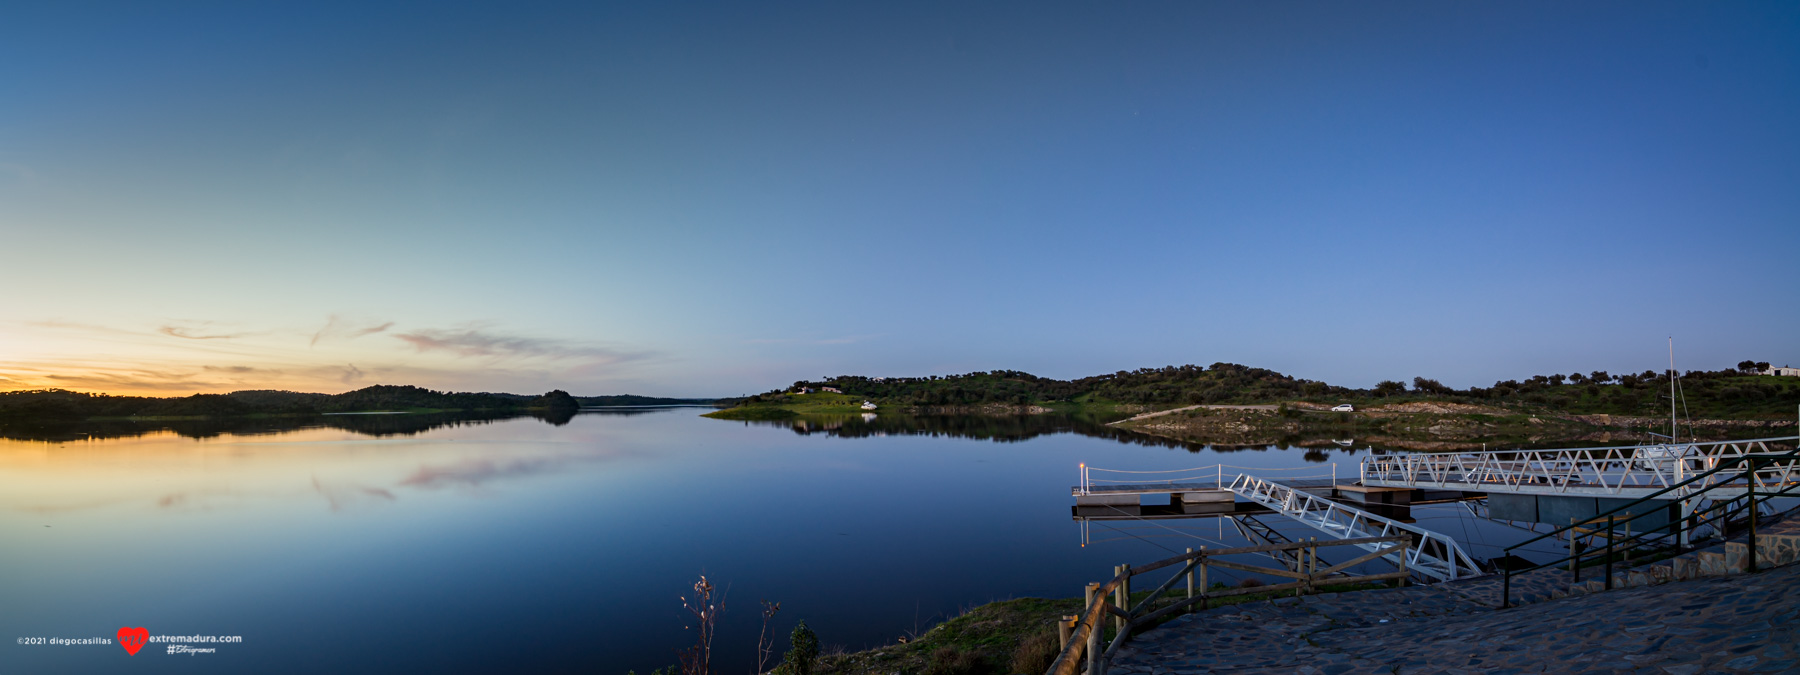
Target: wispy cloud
{"points": [[351, 374], [133, 381], [475, 342], [240, 370], [196, 331], [341, 328]]}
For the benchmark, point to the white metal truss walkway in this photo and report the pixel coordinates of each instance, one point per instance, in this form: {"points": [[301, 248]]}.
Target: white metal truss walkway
{"points": [[1630, 472], [1433, 555]]}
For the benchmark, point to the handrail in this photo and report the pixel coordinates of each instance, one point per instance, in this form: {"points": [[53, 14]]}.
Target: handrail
{"points": [[1338, 518], [1746, 466], [1491, 451], [1197, 474], [1594, 471], [1114, 596]]}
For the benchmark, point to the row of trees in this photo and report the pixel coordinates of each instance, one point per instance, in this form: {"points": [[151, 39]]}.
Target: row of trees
{"points": [[1728, 392], [61, 404]]}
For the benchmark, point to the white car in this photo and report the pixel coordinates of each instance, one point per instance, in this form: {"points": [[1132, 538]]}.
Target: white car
{"points": [[1343, 407]]}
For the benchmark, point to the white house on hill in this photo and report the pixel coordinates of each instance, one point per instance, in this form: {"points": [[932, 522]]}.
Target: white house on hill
{"points": [[1784, 370]]}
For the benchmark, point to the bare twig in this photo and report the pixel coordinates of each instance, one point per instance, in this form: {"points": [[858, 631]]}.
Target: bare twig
{"points": [[763, 646], [698, 660]]}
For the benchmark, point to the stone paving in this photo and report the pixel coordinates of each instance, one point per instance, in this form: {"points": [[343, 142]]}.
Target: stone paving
{"points": [[1739, 623]]}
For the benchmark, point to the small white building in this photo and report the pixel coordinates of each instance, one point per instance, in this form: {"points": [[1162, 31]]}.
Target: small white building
{"points": [[833, 390], [1783, 370]]}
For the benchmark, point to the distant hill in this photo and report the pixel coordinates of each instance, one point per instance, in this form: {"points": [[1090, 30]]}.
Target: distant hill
{"points": [[60, 404], [1721, 394]]}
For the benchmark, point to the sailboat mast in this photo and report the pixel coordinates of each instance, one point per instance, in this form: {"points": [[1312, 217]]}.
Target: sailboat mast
{"points": [[1671, 389]]}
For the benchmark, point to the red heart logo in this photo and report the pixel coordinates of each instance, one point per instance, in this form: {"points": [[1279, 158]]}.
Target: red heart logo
{"points": [[133, 639]]}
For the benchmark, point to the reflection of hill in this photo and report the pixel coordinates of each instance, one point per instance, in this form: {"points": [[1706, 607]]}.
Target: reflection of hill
{"points": [[377, 425], [997, 428], [1013, 428]]}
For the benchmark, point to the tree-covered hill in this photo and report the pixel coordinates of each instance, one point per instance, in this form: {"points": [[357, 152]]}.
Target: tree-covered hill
{"points": [[60, 404], [1724, 394]]}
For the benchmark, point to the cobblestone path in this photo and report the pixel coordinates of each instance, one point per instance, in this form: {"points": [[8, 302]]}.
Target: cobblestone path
{"points": [[1740, 623]]}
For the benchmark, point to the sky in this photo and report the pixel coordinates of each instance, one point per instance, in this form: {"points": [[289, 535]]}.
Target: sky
{"points": [[696, 199]]}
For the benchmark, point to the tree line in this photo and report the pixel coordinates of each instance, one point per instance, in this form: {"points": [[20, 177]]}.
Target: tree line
{"points": [[62, 404], [1734, 392]]}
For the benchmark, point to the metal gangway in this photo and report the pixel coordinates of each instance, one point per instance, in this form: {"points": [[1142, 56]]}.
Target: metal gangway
{"points": [[1631, 472], [1435, 556]]}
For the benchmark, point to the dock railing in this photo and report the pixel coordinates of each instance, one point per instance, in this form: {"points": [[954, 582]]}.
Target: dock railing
{"points": [[1764, 476], [1082, 635], [1604, 471], [1209, 477]]}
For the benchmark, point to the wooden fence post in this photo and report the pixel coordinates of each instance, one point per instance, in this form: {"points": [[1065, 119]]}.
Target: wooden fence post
{"points": [[1065, 629], [1205, 588], [1312, 564], [1190, 580], [1114, 599], [1400, 582], [1124, 596]]}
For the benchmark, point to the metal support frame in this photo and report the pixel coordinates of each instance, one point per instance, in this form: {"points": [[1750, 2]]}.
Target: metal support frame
{"points": [[1436, 556], [1622, 471]]}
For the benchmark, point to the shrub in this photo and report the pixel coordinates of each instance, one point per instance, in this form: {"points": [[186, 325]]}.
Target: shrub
{"points": [[950, 661], [1250, 582], [1035, 654], [803, 655]]}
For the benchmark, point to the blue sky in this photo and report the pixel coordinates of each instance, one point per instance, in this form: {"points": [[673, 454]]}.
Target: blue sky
{"points": [[713, 199]]}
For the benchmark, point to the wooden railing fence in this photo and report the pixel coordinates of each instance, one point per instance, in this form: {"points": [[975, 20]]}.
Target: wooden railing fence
{"points": [[1082, 634]]}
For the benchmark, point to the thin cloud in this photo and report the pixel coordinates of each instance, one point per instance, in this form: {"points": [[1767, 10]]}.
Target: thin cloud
{"points": [[239, 370], [479, 343], [195, 333], [337, 327], [132, 381], [351, 374]]}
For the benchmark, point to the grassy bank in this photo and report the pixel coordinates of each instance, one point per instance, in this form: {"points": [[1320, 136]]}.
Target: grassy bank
{"points": [[1008, 636]]}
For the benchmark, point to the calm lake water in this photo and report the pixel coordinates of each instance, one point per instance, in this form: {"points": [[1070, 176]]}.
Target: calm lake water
{"points": [[411, 543]]}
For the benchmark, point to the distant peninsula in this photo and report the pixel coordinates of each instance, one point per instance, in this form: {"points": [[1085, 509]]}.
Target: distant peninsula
{"points": [[57, 404], [1231, 403]]}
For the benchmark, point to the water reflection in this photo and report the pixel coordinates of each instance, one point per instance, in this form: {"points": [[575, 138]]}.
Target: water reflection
{"points": [[1017, 428], [441, 543], [350, 463], [377, 425]]}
